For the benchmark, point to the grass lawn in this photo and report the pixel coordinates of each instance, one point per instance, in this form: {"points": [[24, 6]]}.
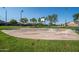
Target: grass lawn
{"points": [[9, 43]]}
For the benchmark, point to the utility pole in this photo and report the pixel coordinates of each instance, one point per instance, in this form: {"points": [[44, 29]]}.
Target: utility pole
{"points": [[21, 12], [5, 15], [66, 19]]}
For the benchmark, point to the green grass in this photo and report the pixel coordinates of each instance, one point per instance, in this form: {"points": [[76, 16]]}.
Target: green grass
{"points": [[9, 43], [13, 27]]}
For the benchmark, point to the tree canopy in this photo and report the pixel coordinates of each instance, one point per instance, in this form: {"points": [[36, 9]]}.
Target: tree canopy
{"points": [[33, 20], [13, 21], [52, 18], [76, 17], [24, 20]]}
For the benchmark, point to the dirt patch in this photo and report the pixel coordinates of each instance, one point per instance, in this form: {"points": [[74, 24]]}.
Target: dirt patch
{"points": [[43, 33]]}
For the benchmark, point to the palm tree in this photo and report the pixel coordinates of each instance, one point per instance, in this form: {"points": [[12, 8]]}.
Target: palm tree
{"points": [[54, 16], [23, 20], [52, 19], [49, 18], [34, 20], [76, 18], [39, 20]]}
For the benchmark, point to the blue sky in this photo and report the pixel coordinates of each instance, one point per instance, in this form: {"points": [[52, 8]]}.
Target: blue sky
{"points": [[36, 12]]}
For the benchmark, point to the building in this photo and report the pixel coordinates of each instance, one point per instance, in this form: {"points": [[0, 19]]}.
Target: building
{"points": [[72, 24]]}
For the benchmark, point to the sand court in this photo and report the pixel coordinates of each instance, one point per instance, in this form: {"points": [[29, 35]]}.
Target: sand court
{"points": [[43, 33]]}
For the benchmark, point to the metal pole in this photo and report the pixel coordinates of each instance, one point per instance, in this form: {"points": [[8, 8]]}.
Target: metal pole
{"points": [[66, 18], [5, 15], [21, 14]]}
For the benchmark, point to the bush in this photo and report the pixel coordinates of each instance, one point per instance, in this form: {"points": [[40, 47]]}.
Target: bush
{"points": [[13, 21]]}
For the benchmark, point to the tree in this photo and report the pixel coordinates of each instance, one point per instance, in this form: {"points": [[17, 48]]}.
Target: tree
{"points": [[33, 20], [54, 16], [39, 20], [13, 21], [76, 17], [42, 19], [52, 19], [49, 18], [24, 20]]}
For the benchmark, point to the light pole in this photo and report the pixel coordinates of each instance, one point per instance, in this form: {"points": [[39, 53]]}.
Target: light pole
{"points": [[21, 15], [5, 15], [21, 12], [66, 18]]}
